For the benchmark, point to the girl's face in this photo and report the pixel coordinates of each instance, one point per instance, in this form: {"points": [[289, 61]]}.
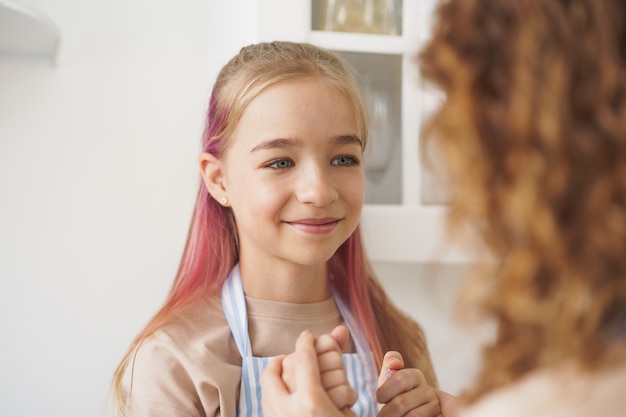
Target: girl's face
{"points": [[292, 174]]}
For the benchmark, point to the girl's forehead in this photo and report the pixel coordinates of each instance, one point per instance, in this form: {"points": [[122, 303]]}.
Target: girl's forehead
{"points": [[298, 111], [310, 98]]}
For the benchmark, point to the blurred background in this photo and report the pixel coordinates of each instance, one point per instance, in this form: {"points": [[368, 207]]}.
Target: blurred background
{"points": [[102, 105]]}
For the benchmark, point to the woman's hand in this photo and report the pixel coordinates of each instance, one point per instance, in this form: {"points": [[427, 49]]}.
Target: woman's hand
{"points": [[404, 392]]}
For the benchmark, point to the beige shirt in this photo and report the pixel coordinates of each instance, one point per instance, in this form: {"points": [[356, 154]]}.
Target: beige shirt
{"points": [[191, 366], [562, 393]]}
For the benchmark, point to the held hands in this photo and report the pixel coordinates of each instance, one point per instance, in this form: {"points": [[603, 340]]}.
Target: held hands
{"points": [[329, 348], [311, 381], [404, 392]]}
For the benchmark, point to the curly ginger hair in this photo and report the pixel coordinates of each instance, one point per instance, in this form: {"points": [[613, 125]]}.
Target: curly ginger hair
{"points": [[533, 133]]}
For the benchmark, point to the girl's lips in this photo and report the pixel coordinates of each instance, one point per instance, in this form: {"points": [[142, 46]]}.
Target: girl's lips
{"points": [[315, 226]]}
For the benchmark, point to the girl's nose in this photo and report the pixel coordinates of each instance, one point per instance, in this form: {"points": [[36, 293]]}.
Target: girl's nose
{"points": [[316, 187]]}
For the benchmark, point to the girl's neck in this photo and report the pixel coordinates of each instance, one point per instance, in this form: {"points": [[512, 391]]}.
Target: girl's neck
{"points": [[285, 282]]}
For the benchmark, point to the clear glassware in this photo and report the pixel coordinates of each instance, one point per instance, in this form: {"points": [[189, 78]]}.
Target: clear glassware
{"points": [[383, 138], [359, 16]]}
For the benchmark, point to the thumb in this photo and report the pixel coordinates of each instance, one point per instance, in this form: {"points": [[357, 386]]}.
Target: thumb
{"points": [[392, 362], [308, 371]]}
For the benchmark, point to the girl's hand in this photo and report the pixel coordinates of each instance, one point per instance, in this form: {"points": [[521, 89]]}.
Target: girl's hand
{"points": [[303, 395], [329, 348], [450, 405], [404, 391]]}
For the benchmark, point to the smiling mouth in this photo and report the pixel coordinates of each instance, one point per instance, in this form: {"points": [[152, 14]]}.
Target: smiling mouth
{"points": [[315, 226]]}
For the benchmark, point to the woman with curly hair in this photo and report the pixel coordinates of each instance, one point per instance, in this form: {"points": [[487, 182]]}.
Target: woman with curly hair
{"points": [[533, 134]]}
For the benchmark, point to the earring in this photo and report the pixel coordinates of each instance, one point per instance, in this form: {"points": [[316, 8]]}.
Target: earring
{"points": [[223, 200]]}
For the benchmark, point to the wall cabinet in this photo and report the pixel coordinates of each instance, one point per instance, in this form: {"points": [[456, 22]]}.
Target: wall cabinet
{"points": [[26, 34], [403, 220]]}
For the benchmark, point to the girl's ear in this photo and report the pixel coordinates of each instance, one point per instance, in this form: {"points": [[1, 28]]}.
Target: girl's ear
{"points": [[212, 172]]}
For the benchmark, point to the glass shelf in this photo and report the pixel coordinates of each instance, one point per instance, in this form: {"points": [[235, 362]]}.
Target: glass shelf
{"points": [[380, 77]]}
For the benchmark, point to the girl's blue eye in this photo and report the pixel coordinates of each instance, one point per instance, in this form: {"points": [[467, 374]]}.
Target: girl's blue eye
{"points": [[345, 161], [281, 164]]}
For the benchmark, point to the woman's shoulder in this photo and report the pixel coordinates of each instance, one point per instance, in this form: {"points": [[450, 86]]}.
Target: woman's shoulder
{"points": [[562, 392]]}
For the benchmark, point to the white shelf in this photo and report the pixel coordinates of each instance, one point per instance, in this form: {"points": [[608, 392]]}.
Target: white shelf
{"points": [[26, 34], [358, 42]]}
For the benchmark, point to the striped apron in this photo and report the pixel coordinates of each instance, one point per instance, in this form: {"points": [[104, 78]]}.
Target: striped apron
{"points": [[360, 366]]}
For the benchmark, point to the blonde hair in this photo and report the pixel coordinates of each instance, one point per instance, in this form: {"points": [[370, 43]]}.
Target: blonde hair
{"points": [[258, 66]]}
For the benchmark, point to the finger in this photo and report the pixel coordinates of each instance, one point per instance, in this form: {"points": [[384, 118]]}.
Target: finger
{"points": [[342, 335], [271, 380], [347, 412], [405, 407], [334, 378], [288, 372], [307, 373], [450, 405], [326, 343], [408, 394], [404, 380], [330, 361], [392, 362], [343, 396]]}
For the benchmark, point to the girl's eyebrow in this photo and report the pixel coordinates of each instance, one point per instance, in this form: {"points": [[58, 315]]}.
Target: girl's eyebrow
{"points": [[282, 143], [349, 140]]}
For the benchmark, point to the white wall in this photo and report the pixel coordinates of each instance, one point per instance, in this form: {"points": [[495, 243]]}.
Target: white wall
{"points": [[97, 181]]}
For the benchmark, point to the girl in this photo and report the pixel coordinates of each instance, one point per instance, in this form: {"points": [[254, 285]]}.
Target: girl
{"points": [[273, 247]]}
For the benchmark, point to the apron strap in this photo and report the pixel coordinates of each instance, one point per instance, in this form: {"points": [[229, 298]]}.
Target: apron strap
{"points": [[360, 342], [234, 304], [360, 367]]}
